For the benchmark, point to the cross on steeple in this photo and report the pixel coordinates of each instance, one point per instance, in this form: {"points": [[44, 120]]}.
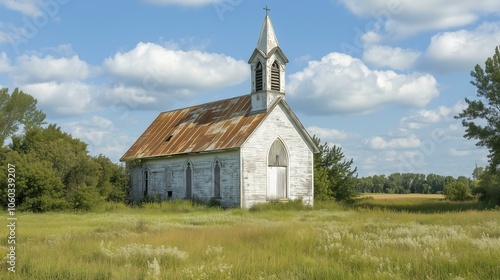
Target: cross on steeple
{"points": [[267, 10]]}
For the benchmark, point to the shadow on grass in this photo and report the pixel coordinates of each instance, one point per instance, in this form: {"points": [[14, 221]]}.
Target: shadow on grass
{"points": [[419, 205]]}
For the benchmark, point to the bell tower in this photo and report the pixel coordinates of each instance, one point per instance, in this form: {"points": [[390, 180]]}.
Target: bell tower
{"points": [[268, 64]]}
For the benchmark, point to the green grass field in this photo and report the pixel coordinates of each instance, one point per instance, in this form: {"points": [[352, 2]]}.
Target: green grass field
{"points": [[375, 239]]}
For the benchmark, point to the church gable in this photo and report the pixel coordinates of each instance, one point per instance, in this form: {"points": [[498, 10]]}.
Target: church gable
{"points": [[278, 158]]}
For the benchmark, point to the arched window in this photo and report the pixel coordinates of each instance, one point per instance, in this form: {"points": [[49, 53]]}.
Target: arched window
{"points": [[277, 171], [217, 178], [275, 76], [258, 76], [189, 182], [277, 154]]}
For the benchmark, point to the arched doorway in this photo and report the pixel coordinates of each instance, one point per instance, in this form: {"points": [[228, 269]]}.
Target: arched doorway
{"points": [[277, 171]]}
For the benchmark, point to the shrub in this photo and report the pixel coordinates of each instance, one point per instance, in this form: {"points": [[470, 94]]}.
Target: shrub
{"points": [[86, 198], [289, 205], [456, 191]]}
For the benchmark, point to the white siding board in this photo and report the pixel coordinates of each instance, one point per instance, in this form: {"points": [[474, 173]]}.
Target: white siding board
{"points": [[254, 154], [169, 175]]}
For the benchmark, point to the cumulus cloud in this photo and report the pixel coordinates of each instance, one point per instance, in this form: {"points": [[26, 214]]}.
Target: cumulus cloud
{"points": [[454, 152], [463, 49], [184, 2], [380, 143], [26, 7], [157, 68], [385, 56], [339, 83], [327, 133], [424, 117], [101, 135], [34, 69], [4, 63], [407, 17], [67, 98]]}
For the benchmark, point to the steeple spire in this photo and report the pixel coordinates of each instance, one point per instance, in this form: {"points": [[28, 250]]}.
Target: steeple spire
{"points": [[267, 39]]}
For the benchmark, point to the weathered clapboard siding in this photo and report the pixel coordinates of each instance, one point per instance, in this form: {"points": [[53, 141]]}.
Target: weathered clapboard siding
{"points": [[254, 153], [169, 174]]}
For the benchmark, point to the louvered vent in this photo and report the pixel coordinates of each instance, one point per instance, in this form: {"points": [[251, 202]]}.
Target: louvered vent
{"points": [[258, 77], [275, 76]]}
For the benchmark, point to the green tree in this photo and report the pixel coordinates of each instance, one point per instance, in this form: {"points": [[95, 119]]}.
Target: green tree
{"points": [[38, 189], [488, 188], [457, 191], [322, 184], [113, 184], [55, 172], [341, 177], [17, 109], [477, 173], [481, 118]]}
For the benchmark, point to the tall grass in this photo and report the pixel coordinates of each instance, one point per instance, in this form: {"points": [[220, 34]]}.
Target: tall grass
{"points": [[276, 241], [419, 204]]}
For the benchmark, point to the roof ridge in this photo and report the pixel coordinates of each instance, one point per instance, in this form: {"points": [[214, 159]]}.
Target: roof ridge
{"points": [[204, 104]]}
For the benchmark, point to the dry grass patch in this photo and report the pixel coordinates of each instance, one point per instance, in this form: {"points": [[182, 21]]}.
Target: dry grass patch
{"points": [[379, 196], [359, 243]]}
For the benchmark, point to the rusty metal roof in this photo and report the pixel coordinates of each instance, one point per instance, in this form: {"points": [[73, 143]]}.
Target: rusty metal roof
{"points": [[218, 125]]}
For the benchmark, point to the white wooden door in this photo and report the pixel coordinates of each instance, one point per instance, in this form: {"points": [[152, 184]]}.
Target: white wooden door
{"points": [[276, 186]]}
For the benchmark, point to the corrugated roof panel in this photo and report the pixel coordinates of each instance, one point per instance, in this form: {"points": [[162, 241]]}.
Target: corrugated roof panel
{"points": [[213, 126]]}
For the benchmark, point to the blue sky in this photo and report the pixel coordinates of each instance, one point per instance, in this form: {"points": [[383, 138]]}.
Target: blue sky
{"points": [[382, 79]]}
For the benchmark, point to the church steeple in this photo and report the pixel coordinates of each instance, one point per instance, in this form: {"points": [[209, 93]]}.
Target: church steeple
{"points": [[267, 39], [268, 68]]}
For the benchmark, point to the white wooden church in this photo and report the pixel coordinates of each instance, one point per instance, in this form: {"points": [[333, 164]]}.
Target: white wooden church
{"points": [[240, 151]]}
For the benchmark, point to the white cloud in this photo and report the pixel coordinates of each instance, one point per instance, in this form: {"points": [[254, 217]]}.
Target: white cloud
{"points": [[4, 63], [407, 17], [68, 98], [101, 135], [454, 152], [385, 56], [463, 49], [424, 117], [34, 69], [380, 143], [327, 134], [340, 83], [157, 68], [26, 7], [184, 2]]}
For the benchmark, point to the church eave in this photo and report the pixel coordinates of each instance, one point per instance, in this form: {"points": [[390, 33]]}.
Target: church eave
{"points": [[295, 120], [277, 50]]}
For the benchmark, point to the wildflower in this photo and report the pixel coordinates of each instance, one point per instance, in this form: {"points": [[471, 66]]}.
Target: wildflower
{"points": [[154, 267]]}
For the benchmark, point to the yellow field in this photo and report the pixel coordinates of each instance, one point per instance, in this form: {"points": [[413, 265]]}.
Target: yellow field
{"points": [[402, 196], [178, 241]]}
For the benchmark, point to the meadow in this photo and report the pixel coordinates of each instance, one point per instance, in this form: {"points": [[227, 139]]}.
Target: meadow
{"points": [[388, 238]]}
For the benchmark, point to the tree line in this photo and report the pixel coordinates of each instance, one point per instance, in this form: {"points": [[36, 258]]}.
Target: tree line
{"points": [[54, 171], [403, 183]]}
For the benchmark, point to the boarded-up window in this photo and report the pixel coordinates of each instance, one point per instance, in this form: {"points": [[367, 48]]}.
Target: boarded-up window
{"points": [[168, 180], [277, 154], [277, 177], [189, 183], [168, 183], [146, 183], [217, 179], [275, 76], [258, 77]]}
